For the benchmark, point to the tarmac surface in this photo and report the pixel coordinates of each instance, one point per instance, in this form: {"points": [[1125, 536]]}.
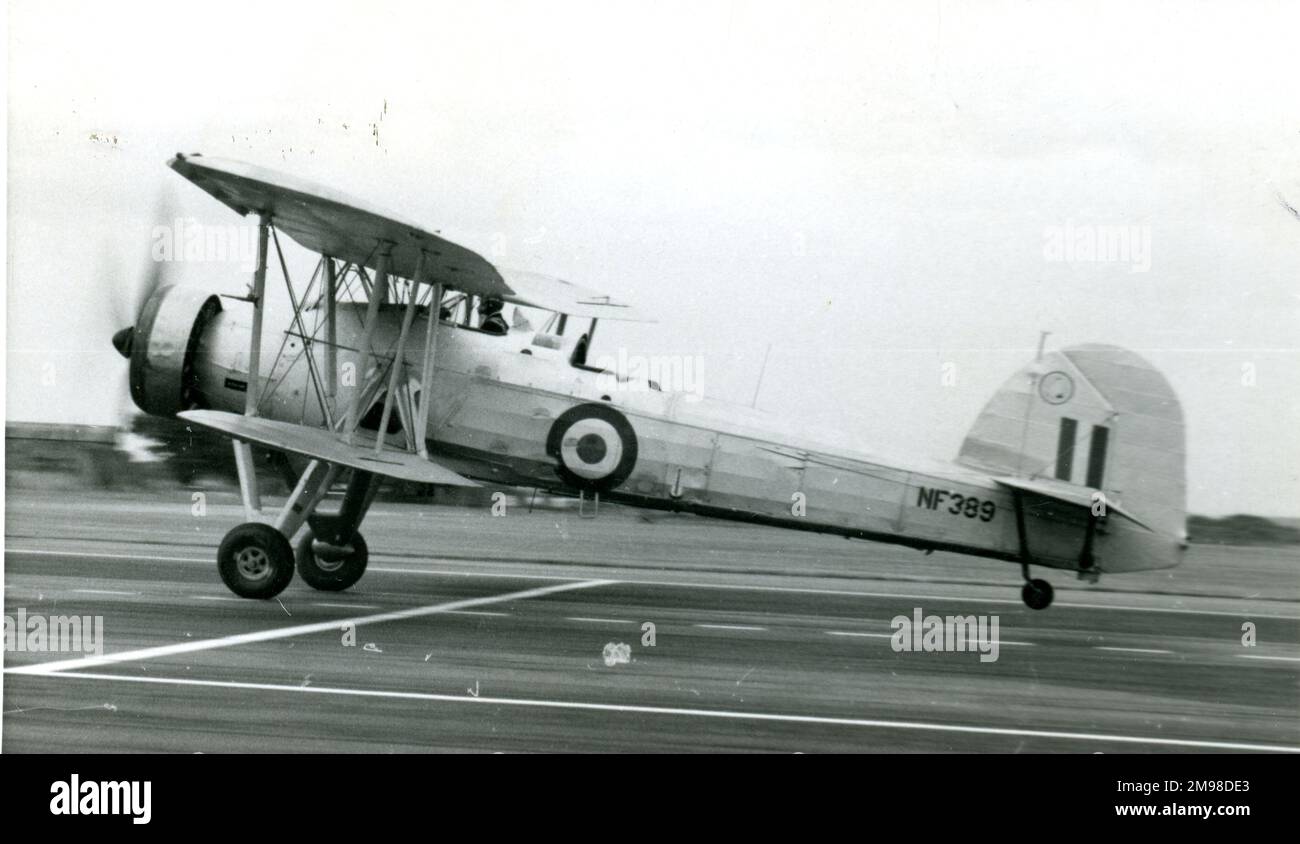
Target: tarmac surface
{"points": [[477, 633]]}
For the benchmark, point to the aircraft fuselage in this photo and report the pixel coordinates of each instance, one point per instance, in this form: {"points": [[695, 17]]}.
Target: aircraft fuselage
{"points": [[508, 411]]}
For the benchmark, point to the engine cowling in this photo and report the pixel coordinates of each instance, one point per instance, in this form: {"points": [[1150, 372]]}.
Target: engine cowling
{"points": [[162, 348]]}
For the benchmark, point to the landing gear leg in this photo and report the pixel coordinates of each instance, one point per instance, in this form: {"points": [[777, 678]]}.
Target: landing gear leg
{"points": [[1037, 593]]}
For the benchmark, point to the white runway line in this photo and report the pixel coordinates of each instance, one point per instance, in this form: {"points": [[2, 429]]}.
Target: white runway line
{"points": [[587, 620], [1278, 658], [480, 612], [860, 635], [686, 584], [104, 592], [697, 713], [296, 630], [38, 552], [1132, 650], [483, 574], [730, 627]]}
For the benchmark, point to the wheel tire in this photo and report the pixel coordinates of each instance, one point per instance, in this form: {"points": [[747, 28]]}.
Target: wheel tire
{"points": [[1037, 594], [327, 574], [255, 561]]}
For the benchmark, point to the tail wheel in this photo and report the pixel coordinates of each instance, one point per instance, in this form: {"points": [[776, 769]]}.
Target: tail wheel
{"points": [[1037, 594], [331, 568], [255, 561]]}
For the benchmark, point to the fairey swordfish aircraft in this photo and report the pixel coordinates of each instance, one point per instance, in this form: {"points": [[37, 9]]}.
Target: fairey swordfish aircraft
{"points": [[386, 367]]}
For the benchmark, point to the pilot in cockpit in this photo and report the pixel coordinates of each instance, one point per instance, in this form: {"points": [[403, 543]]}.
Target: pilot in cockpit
{"points": [[490, 319]]}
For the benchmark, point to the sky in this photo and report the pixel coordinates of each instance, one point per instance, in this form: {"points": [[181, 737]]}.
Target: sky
{"points": [[876, 192]]}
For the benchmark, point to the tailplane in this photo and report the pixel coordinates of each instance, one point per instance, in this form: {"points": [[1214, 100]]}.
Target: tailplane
{"points": [[1093, 419]]}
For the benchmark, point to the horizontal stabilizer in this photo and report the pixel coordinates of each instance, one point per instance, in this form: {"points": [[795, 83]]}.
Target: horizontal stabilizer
{"points": [[1079, 496], [320, 444]]}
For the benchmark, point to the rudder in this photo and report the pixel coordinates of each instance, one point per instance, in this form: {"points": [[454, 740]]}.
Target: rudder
{"points": [[1095, 416]]}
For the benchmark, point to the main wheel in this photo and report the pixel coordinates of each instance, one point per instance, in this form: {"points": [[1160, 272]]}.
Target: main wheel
{"points": [[255, 561], [331, 568], [1037, 594]]}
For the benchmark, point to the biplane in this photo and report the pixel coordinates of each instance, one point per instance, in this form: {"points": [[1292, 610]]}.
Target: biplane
{"points": [[385, 367]]}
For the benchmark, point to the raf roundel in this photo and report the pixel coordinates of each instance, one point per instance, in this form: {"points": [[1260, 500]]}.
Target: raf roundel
{"points": [[1056, 387], [595, 446]]}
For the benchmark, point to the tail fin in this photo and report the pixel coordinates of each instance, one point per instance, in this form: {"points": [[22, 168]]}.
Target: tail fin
{"points": [[1099, 417]]}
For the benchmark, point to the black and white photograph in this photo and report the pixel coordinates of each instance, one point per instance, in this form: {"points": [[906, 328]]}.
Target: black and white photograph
{"points": [[653, 378]]}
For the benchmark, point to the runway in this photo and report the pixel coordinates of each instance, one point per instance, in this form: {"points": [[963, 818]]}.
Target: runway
{"points": [[479, 633]]}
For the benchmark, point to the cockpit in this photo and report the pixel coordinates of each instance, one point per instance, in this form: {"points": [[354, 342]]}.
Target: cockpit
{"points": [[531, 330]]}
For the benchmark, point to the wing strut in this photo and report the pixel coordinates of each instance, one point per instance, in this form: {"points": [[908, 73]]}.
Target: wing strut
{"points": [[399, 356], [426, 372], [243, 451], [378, 292], [331, 331], [316, 385]]}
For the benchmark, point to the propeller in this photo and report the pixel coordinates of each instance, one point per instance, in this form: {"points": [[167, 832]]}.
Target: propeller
{"points": [[157, 274], [126, 297]]}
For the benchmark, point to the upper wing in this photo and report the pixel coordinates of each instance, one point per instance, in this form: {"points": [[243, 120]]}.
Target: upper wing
{"points": [[554, 294], [325, 445], [1080, 496], [331, 223]]}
